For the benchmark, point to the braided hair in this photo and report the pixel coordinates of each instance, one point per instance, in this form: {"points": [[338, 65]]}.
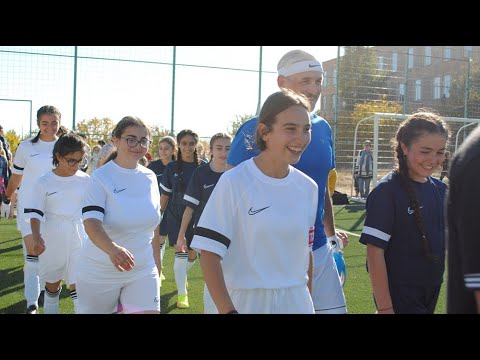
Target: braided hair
{"points": [[416, 125]]}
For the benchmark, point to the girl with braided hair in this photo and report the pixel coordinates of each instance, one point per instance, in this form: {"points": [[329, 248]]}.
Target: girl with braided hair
{"points": [[173, 185], [404, 225]]}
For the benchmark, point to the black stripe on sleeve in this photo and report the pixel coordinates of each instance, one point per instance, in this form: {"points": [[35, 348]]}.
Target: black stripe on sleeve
{"points": [[26, 211], [211, 234], [17, 167], [93, 208]]}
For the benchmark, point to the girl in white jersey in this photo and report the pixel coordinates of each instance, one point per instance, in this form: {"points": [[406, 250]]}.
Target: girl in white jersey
{"points": [[55, 200], [256, 232], [121, 214], [33, 158]]}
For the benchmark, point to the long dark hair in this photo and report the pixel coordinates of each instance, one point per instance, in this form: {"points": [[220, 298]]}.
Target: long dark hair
{"points": [[416, 125], [179, 163]]}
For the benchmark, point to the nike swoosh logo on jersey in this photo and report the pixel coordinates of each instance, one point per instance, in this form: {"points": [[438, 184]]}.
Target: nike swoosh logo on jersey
{"points": [[32, 155], [253, 212], [48, 194], [411, 211], [310, 65], [117, 191], [207, 186]]}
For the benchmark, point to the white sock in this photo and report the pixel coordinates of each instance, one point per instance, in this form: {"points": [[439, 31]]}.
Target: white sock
{"points": [[31, 280], [180, 271], [162, 249], [190, 263], [73, 296], [51, 302]]}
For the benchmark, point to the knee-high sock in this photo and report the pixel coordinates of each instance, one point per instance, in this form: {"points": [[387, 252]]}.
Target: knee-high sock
{"points": [[73, 296], [162, 251], [190, 263], [31, 280], [51, 301], [180, 270]]}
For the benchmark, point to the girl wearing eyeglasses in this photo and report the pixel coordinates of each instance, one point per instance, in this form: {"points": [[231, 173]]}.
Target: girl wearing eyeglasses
{"points": [[33, 158], [53, 208], [121, 214]]}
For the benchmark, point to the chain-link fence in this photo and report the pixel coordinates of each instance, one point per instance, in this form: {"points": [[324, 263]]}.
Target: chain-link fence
{"points": [[399, 80], [167, 86]]}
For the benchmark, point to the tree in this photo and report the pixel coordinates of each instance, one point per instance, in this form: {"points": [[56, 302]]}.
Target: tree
{"points": [[156, 133], [359, 77], [234, 125], [13, 139], [455, 104], [96, 129]]}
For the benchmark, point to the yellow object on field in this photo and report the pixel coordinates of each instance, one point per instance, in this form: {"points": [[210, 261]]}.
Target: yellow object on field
{"points": [[332, 180]]}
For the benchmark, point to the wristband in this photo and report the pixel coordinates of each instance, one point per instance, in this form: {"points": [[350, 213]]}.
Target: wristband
{"points": [[335, 242]]}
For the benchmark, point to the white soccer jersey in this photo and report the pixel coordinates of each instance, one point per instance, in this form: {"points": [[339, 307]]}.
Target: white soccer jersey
{"points": [[55, 197], [127, 201], [32, 161], [260, 227], [56, 201]]}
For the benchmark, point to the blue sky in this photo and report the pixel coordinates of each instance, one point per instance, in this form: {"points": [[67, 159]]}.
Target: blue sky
{"points": [[208, 97]]}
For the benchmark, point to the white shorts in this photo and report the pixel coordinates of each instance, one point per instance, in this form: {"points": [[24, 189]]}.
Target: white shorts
{"points": [[63, 242], [292, 300], [328, 296], [209, 306], [139, 295]]}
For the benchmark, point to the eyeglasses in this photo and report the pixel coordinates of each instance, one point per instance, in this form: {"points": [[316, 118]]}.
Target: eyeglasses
{"points": [[73, 162], [132, 142]]}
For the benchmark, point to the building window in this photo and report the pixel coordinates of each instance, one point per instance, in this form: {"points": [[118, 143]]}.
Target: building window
{"points": [[418, 90], [436, 87], [410, 58], [335, 77], [394, 61], [334, 105], [380, 63], [467, 51], [324, 103], [401, 92], [447, 55], [446, 85], [325, 78], [428, 55]]}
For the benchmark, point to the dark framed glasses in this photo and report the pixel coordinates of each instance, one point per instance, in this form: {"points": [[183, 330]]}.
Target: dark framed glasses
{"points": [[132, 142], [72, 162]]}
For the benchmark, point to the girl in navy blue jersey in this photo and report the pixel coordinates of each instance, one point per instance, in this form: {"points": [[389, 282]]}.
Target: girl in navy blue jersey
{"points": [[167, 152], [199, 189], [173, 185], [404, 227]]}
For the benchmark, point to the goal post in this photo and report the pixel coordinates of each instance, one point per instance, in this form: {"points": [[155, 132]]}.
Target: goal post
{"points": [[381, 128]]}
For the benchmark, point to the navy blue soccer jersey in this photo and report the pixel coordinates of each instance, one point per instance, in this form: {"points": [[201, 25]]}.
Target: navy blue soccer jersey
{"points": [[199, 189], [158, 168], [174, 185], [390, 224]]}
